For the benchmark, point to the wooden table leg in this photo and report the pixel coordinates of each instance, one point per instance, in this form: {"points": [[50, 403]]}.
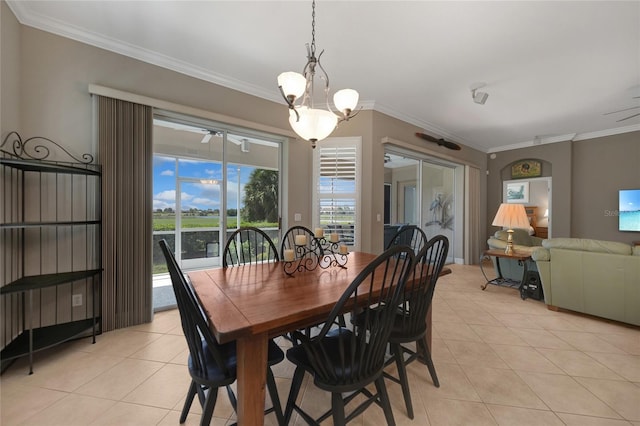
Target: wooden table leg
{"points": [[252, 376]]}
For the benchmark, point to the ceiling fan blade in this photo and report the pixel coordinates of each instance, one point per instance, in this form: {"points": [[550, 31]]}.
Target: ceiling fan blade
{"points": [[631, 116], [440, 141], [622, 110]]}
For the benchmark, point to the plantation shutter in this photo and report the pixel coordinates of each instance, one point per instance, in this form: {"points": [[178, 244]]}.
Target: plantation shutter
{"points": [[337, 184]]}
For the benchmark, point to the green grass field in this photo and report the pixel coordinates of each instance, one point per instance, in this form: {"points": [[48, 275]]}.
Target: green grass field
{"points": [[168, 223]]}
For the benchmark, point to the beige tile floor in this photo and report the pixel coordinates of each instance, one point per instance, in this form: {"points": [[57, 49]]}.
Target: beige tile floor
{"points": [[500, 361]]}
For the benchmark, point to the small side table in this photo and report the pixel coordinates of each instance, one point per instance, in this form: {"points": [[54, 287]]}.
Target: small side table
{"points": [[522, 259]]}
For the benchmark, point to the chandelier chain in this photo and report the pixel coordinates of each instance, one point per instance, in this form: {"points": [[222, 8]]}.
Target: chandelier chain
{"points": [[310, 123], [313, 28]]}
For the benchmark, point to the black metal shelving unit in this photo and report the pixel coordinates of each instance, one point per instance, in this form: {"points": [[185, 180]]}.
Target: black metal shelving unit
{"points": [[50, 234]]}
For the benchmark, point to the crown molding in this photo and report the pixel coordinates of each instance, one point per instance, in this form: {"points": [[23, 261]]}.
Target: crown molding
{"points": [[28, 18], [430, 128], [608, 132], [45, 23], [568, 137]]}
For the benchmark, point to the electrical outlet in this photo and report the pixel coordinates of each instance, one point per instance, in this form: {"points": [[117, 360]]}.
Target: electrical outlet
{"points": [[76, 300]]}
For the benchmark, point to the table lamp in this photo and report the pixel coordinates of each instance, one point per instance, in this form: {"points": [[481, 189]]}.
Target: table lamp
{"points": [[511, 216]]}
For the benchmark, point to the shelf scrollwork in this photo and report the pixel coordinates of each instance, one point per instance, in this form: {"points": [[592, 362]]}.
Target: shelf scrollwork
{"points": [[38, 148]]}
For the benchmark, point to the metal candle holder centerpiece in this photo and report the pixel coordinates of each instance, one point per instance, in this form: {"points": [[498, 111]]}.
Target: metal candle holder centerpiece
{"points": [[320, 252]]}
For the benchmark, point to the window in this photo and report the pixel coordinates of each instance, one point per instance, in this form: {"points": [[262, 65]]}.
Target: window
{"points": [[206, 177], [336, 171]]}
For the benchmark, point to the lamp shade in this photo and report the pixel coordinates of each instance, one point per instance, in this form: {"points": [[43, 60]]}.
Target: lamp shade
{"points": [[292, 83], [511, 216], [346, 99], [314, 124]]}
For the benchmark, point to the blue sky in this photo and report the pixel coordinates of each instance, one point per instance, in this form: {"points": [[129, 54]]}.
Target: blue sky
{"points": [[199, 195], [629, 200]]}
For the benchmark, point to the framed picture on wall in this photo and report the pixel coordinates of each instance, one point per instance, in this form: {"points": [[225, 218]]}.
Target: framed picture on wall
{"points": [[518, 192], [526, 169]]}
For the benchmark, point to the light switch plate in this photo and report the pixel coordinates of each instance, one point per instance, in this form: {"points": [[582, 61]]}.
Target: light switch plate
{"points": [[297, 217]]}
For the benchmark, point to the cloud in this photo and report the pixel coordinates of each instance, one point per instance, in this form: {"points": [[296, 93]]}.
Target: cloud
{"points": [[167, 173], [205, 202], [159, 204], [169, 195]]}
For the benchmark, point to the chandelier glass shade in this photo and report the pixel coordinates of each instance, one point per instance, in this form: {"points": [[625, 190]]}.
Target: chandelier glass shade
{"points": [[309, 122], [312, 124]]}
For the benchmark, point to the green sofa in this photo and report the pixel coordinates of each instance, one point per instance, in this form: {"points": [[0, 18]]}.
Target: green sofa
{"points": [[522, 243], [600, 278]]}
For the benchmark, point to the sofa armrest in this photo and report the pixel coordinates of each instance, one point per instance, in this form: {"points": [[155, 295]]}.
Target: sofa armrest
{"points": [[541, 254], [542, 257], [495, 243]]}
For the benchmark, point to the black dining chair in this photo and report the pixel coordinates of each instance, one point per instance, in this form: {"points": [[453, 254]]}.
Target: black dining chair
{"points": [[211, 365], [249, 245], [409, 324], [409, 235], [313, 247], [347, 359]]}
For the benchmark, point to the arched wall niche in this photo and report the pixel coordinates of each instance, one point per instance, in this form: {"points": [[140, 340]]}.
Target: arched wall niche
{"points": [[538, 190]]}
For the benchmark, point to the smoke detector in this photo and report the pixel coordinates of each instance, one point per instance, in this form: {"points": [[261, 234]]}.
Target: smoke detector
{"points": [[478, 97]]}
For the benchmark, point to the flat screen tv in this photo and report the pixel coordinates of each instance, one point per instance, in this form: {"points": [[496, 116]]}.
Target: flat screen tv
{"points": [[629, 210]]}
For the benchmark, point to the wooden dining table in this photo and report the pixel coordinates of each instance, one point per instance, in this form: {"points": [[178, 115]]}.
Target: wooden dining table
{"points": [[253, 303]]}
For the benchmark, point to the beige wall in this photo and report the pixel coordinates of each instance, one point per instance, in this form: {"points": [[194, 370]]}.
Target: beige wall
{"points": [[601, 167], [586, 176], [45, 93], [9, 71], [52, 93], [558, 155], [44, 80]]}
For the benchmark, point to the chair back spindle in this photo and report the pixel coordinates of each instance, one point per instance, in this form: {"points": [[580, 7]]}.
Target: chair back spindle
{"points": [[409, 235], [249, 245]]}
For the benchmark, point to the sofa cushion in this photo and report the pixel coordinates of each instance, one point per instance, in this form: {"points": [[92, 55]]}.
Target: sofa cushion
{"points": [[583, 244]]}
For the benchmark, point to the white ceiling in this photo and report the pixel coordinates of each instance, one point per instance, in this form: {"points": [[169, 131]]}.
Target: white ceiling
{"points": [[552, 69]]}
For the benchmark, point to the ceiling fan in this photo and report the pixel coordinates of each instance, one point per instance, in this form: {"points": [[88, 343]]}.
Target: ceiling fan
{"points": [[626, 109], [440, 142]]}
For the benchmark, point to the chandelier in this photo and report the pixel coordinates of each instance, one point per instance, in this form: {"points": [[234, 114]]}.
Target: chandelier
{"points": [[310, 123]]}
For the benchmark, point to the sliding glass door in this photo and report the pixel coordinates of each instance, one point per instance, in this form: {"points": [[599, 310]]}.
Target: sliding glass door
{"points": [[253, 184], [439, 201], [423, 192], [198, 223], [208, 181]]}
